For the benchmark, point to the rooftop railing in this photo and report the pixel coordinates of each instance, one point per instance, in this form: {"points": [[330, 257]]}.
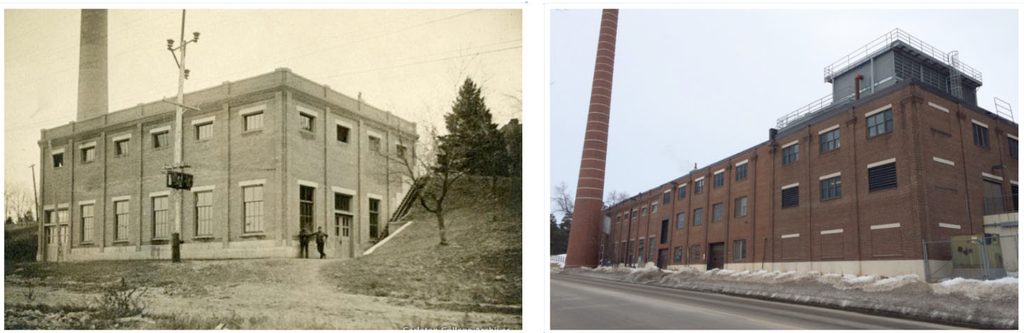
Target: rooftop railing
{"points": [[887, 40]]}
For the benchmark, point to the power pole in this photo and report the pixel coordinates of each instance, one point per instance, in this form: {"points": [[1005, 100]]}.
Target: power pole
{"points": [[179, 166], [35, 195]]}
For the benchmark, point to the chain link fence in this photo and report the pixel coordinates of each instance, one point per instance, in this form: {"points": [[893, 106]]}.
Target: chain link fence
{"points": [[982, 257]]}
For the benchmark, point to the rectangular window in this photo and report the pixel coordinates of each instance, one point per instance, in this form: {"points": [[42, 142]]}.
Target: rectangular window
{"points": [[882, 177], [719, 179], [306, 207], [342, 202], [980, 135], [682, 192], [879, 123], [374, 218], [791, 197], [698, 186], [695, 255], [790, 154], [342, 224], [831, 188], [640, 252], [664, 231], [204, 213], [88, 154], [400, 150], [374, 144], [161, 218], [739, 249], [252, 121], [829, 141], [634, 215], [741, 172], [58, 160], [306, 121], [677, 257], [650, 249], [87, 222], [698, 216], [121, 220], [1013, 192], [160, 139], [994, 202], [654, 208], [120, 147], [252, 208], [680, 220], [342, 133], [204, 131], [643, 211], [666, 197], [1012, 144], [717, 212], [740, 209]]}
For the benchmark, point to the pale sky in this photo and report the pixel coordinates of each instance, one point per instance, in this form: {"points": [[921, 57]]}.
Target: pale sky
{"points": [[681, 74], [409, 62]]}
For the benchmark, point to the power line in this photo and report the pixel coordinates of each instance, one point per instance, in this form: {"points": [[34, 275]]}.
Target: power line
{"points": [[423, 62]]}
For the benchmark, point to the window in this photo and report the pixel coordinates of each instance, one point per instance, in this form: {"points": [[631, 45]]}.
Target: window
{"points": [[400, 151], [879, 123], [58, 160], [1013, 192], [204, 213], [994, 202], [252, 121], [790, 154], [88, 154], [1012, 144], [719, 179], [980, 135], [682, 192], [791, 197], [306, 208], [741, 172], [640, 251], [342, 214], [650, 248], [87, 222], [831, 188], [374, 218], [739, 249], [664, 231], [717, 212], [882, 177], [666, 197], [698, 186], [306, 121], [829, 141], [343, 202], [634, 215], [121, 220], [204, 131], [695, 255], [740, 207], [121, 147], [698, 216], [654, 208], [374, 143], [160, 139], [677, 257], [680, 220], [161, 218], [342, 132], [252, 208]]}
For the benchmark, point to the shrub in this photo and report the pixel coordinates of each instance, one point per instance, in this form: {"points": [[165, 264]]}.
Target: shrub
{"points": [[122, 300]]}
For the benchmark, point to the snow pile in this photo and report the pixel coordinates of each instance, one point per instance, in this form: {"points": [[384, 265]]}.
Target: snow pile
{"points": [[977, 290], [558, 259], [649, 273]]}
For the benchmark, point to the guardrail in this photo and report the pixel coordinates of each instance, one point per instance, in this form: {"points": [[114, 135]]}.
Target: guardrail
{"points": [[886, 40]]}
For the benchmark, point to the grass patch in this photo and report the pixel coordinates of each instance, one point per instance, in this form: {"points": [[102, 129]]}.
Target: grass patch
{"points": [[480, 270]]}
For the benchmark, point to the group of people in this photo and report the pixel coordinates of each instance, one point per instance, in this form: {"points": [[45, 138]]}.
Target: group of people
{"points": [[304, 236]]}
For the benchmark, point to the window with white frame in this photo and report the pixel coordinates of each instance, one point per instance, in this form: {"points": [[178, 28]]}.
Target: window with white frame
{"points": [[204, 131], [252, 121], [204, 213], [87, 221], [161, 139], [252, 208], [307, 121], [121, 218], [88, 154], [342, 214], [161, 217], [121, 147]]}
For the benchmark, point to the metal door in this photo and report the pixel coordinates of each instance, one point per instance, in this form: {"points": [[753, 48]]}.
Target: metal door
{"points": [[716, 256]]}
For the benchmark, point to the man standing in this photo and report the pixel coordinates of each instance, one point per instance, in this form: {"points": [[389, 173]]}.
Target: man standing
{"points": [[321, 238], [304, 243]]}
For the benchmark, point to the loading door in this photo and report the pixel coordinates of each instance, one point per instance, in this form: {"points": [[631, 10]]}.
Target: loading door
{"points": [[716, 256]]}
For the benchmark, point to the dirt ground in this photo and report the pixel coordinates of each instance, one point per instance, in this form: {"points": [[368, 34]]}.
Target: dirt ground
{"points": [[256, 294]]}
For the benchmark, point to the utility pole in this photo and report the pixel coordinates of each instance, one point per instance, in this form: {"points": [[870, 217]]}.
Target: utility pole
{"points": [[35, 195], [179, 166]]}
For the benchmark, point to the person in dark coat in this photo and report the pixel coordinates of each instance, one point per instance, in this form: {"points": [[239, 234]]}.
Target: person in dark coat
{"points": [[304, 236], [321, 238]]}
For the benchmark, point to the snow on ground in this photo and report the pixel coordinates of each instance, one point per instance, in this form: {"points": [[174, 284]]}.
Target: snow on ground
{"points": [[989, 304]]}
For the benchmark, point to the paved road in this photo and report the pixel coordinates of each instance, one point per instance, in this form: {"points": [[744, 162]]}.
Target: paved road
{"points": [[587, 303]]}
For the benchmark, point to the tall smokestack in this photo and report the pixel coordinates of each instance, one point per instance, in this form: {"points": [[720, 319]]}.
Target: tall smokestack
{"points": [[586, 219], [92, 65]]}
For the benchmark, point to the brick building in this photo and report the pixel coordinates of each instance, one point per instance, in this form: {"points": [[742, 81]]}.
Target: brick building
{"points": [[269, 154], [900, 153]]}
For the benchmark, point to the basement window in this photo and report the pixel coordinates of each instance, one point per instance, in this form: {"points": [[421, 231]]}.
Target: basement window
{"points": [[791, 197], [882, 177]]}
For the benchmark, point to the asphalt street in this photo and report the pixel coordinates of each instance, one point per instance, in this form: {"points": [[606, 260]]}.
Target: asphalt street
{"points": [[579, 302]]}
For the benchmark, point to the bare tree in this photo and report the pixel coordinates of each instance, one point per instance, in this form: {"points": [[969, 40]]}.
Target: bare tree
{"points": [[615, 197], [17, 201], [564, 202]]}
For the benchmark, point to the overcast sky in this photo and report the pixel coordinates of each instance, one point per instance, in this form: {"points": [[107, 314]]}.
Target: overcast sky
{"points": [[409, 62], [680, 75]]}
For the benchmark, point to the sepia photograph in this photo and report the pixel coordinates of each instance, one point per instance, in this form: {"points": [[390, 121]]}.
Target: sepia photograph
{"points": [[789, 169], [263, 169]]}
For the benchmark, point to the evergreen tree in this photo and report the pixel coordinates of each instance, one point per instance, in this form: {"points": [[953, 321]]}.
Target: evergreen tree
{"points": [[513, 133], [473, 142]]}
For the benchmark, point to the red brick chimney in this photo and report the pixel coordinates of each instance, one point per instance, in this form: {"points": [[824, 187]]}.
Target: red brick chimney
{"points": [[92, 65], [586, 220]]}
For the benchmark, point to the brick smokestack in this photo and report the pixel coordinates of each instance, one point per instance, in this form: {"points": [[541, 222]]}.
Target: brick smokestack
{"points": [[92, 65], [587, 214]]}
